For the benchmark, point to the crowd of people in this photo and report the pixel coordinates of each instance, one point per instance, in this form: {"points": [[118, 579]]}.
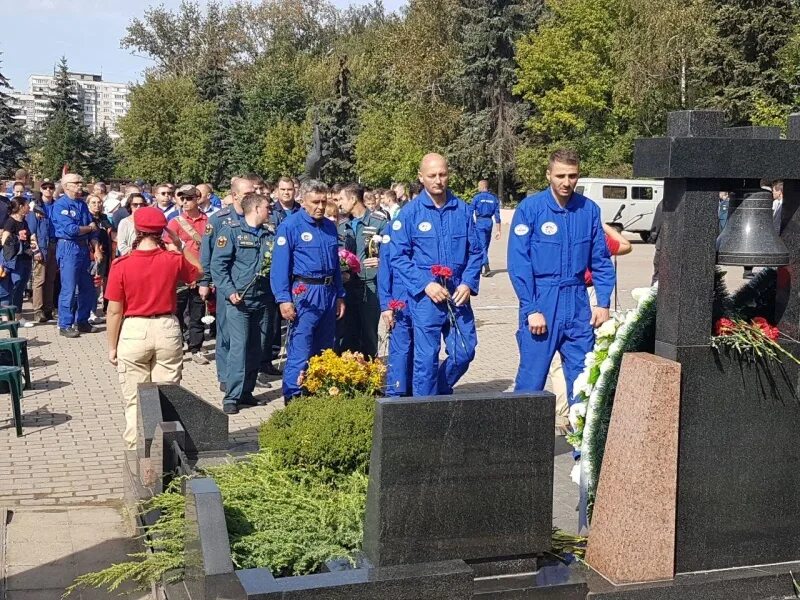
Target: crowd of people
{"points": [[303, 267]]}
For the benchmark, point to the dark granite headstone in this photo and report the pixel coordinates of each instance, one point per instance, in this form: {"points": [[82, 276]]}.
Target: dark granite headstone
{"points": [[206, 426], [209, 571], [737, 453], [468, 476], [448, 580]]}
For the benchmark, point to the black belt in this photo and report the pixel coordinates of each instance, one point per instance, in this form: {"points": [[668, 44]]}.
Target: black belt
{"points": [[78, 242], [314, 280], [149, 316]]}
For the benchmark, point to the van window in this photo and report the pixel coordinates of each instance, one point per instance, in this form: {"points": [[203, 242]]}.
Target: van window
{"points": [[615, 192], [642, 193], [579, 190]]}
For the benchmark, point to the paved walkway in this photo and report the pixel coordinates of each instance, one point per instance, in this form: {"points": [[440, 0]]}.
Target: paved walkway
{"points": [[67, 467]]}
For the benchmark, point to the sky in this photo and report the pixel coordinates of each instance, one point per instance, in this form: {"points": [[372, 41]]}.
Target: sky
{"points": [[38, 32]]}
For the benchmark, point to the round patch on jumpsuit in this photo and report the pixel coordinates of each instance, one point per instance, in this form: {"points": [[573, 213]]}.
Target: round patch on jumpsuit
{"points": [[549, 228], [425, 226], [222, 241], [521, 229], [386, 239], [306, 236], [397, 225], [281, 241]]}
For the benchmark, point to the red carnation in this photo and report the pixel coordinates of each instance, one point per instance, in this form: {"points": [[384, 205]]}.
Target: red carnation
{"points": [[441, 271], [395, 305], [299, 289], [724, 326], [774, 334]]}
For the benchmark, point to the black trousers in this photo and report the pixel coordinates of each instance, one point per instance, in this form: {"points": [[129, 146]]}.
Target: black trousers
{"points": [[190, 303], [358, 330], [268, 340]]}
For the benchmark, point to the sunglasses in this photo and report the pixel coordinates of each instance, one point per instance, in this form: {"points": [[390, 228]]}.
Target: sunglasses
{"points": [[137, 204], [48, 187]]}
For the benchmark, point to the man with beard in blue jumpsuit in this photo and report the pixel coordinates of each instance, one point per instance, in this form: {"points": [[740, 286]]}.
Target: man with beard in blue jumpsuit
{"points": [[437, 230], [307, 283], [230, 214], [556, 235], [485, 207], [75, 232], [400, 365]]}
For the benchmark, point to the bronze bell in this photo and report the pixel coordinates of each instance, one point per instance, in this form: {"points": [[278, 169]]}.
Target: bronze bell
{"points": [[749, 238]]}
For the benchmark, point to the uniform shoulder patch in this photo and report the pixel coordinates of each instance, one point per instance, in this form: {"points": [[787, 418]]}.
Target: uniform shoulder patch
{"points": [[397, 225], [386, 239], [209, 229], [281, 241], [521, 229], [222, 241]]}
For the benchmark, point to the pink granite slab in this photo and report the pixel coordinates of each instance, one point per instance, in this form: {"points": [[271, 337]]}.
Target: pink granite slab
{"points": [[632, 536]]}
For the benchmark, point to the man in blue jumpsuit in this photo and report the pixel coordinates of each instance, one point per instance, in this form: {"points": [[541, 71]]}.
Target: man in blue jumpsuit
{"points": [[307, 283], [237, 269], [229, 214], [437, 230], [400, 365], [556, 235], [485, 207], [75, 231]]}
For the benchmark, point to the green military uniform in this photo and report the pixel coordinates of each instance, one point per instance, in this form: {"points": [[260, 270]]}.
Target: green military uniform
{"points": [[358, 331]]}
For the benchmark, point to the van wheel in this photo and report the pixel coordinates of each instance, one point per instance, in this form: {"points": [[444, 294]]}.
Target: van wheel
{"points": [[645, 235]]}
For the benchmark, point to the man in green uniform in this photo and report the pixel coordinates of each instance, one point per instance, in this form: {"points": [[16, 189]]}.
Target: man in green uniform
{"points": [[364, 230]]}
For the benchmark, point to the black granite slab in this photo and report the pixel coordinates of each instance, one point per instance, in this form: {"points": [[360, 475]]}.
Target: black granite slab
{"points": [[468, 476], [695, 123], [206, 426], [739, 462], [554, 580], [447, 580], [716, 158], [686, 263], [770, 582], [752, 133], [209, 571]]}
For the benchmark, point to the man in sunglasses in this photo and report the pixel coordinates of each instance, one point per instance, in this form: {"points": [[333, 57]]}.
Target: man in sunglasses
{"points": [[45, 267], [165, 195]]}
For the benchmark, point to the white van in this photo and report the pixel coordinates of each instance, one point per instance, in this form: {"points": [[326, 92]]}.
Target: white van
{"points": [[628, 203]]}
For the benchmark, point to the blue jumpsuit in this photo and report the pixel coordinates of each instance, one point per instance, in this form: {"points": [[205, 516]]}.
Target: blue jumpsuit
{"points": [[549, 250], [400, 365], [307, 248], [423, 236], [277, 215], [485, 206], [72, 254], [216, 221], [236, 265]]}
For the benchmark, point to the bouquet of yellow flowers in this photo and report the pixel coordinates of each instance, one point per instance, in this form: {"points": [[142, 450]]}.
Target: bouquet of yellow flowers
{"points": [[349, 373]]}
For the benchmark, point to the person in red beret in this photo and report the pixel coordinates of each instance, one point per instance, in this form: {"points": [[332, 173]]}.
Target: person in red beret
{"points": [[144, 337]]}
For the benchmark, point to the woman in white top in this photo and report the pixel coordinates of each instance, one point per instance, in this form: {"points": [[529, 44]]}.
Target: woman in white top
{"points": [[126, 232]]}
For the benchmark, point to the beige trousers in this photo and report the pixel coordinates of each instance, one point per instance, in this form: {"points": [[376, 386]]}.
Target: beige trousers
{"points": [[559, 384], [148, 350]]}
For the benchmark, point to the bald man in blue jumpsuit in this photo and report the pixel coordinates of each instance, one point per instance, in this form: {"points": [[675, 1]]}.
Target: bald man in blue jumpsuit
{"points": [[556, 235]]}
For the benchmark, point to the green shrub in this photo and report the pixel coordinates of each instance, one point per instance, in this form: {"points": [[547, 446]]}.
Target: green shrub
{"points": [[332, 434], [287, 519]]}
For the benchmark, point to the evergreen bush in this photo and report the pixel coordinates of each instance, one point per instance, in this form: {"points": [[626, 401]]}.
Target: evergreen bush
{"points": [[331, 434]]}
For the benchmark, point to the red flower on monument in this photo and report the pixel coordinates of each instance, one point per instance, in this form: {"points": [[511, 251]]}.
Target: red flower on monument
{"points": [[768, 330], [299, 289], [724, 326], [441, 271]]}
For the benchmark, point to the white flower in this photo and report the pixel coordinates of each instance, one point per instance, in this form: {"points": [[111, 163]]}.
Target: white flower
{"points": [[589, 360], [594, 397], [606, 364], [581, 383], [208, 319], [607, 329], [576, 410], [377, 239], [642, 294], [615, 348], [631, 316], [575, 474]]}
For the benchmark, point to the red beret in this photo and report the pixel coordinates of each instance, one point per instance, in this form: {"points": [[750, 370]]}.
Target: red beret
{"points": [[149, 219]]}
